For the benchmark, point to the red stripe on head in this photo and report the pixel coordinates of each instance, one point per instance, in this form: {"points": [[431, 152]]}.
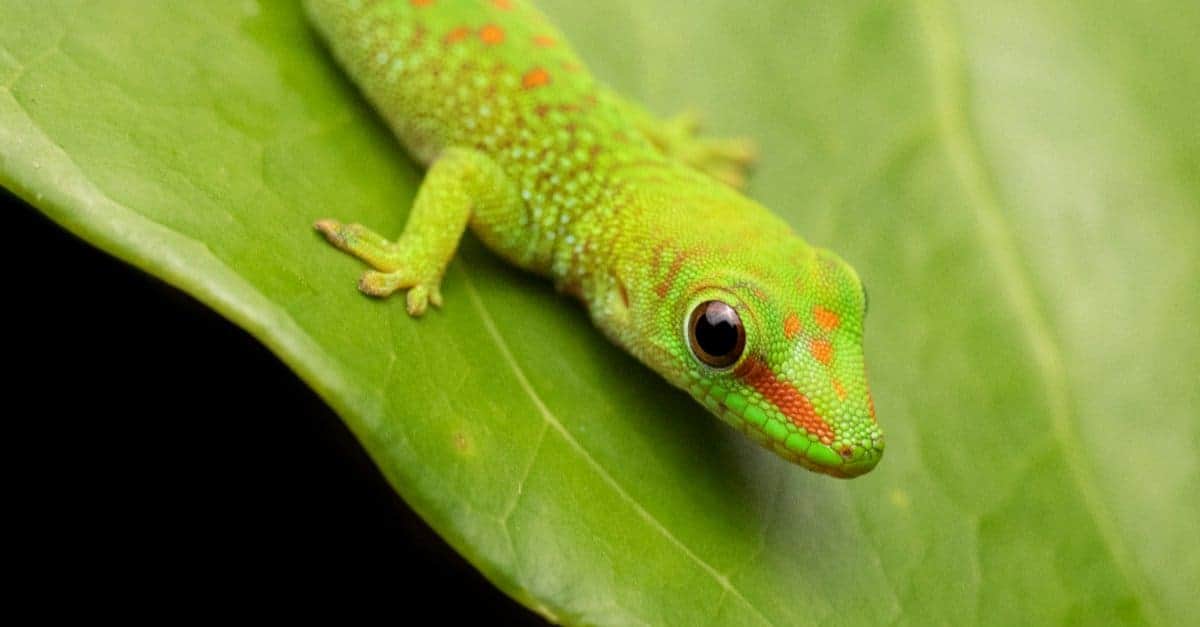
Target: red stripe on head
{"points": [[672, 273], [783, 395]]}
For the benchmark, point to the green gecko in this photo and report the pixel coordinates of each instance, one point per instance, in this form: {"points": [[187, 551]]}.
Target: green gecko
{"points": [[637, 217]]}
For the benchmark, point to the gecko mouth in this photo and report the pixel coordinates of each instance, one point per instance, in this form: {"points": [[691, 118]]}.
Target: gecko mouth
{"points": [[771, 429]]}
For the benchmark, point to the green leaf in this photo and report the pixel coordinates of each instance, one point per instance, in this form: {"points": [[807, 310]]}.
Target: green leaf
{"points": [[1017, 181]]}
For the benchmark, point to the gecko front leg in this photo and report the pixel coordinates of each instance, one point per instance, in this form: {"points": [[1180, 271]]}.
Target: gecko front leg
{"points": [[462, 185]]}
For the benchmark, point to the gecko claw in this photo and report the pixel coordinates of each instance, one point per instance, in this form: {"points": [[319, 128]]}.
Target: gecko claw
{"points": [[417, 300], [332, 230]]}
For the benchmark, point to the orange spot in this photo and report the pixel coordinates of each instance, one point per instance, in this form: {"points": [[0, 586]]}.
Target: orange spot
{"points": [[828, 320], [871, 406], [783, 395], [503, 5], [544, 41], [491, 34], [418, 38], [421, 3], [839, 389], [536, 77], [571, 66], [457, 35], [791, 326], [822, 350]]}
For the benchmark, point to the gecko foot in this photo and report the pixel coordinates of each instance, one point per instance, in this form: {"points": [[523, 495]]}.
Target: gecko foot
{"points": [[393, 272], [725, 159]]}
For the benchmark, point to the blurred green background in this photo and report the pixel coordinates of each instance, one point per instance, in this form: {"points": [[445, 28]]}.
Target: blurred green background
{"points": [[1018, 183]]}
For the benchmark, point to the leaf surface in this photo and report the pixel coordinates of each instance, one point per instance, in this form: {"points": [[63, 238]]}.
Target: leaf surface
{"points": [[1018, 182]]}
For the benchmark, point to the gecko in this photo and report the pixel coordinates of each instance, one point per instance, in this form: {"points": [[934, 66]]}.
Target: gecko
{"points": [[641, 218]]}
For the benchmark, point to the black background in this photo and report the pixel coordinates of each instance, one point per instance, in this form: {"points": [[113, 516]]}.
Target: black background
{"points": [[160, 455]]}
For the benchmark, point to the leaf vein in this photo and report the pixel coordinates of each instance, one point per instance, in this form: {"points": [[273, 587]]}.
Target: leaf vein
{"points": [[553, 422]]}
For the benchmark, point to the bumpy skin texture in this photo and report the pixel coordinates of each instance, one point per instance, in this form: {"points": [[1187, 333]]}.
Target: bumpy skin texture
{"points": [[635, 216]]}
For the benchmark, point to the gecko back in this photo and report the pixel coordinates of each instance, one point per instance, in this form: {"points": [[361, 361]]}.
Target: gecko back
{"points": [[490, 74]]}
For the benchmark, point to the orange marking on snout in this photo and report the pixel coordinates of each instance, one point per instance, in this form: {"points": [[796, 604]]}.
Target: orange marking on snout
{"points": [[457, 35], [791, 325], [828, 320], [421, 3], [839, 389], [544, 41], [503, 5], [536, 77], [783, 395], [822, 350], [491, 34]]}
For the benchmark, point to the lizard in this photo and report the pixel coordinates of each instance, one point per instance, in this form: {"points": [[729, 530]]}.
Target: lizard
{"points": [[640, 218]]}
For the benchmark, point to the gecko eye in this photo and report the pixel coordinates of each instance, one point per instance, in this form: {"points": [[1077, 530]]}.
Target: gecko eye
{"points": [[716, 334]]}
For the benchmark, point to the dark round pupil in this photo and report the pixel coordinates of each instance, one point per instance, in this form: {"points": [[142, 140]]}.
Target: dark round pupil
{"points": [[717, 330]]}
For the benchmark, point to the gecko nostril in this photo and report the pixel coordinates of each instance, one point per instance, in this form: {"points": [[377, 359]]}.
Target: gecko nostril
{"points": [[847, 451]]}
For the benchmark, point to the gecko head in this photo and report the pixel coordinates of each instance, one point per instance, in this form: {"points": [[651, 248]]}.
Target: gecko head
{"points": [[779, 356]]}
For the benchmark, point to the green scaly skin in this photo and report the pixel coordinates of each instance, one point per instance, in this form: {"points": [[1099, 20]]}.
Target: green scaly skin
{"points": [[637, 217]]}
